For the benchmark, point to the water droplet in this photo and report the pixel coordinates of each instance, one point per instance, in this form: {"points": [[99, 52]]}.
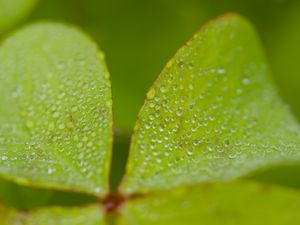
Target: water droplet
{"points": [[221, 70], [246, 81], [55, 114], [61, 126], [181, 64], [51, 170], [239, 91], [196, 142], [179, 111], [190, 152], [163, 89]]}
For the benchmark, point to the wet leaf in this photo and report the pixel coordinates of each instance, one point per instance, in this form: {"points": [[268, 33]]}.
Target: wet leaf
{"points": [[55, 110], [89, 215], [212, 115], [12, 11], [216, 204]]}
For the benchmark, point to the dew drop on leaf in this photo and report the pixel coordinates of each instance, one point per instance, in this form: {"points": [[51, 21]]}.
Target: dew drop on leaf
{"points": [[222, 117]]}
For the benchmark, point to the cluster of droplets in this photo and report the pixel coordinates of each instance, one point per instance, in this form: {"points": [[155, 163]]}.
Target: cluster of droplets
{"points": [[58, 128], [204, 123]]}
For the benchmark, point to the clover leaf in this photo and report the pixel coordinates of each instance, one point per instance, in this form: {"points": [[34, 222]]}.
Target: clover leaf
{"points": [[213, 114], [55, 110]]}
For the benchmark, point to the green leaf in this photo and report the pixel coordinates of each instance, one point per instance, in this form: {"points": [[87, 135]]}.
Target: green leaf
{"points": [[89, 215], [216, 204], [12, 11], [55, 110], [213, 114]]}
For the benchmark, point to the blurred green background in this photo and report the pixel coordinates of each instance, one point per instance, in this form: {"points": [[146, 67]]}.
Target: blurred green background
{"points": [[139, 37]]}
